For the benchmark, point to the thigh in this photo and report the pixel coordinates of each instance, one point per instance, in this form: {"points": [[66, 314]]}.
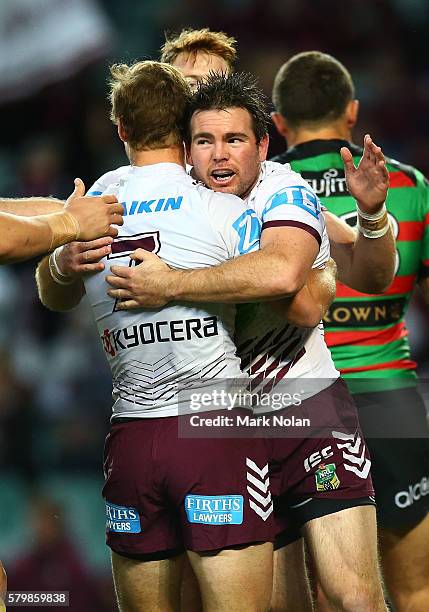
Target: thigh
{"points": [[237, 579], [190, 597], [153, 586], [291, 587], [344, 544], [405, 559]]}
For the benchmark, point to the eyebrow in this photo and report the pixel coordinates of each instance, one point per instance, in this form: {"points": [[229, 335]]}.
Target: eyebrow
{"points": [[227, 136]]}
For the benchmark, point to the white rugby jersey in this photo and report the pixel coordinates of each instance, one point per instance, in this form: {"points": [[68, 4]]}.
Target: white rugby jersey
{"points": [[270, 348], [152, 353]]}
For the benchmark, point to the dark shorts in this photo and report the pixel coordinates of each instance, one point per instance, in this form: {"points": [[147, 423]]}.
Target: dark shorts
{"points": [[400, 469], [332, 463], [165, 494]]}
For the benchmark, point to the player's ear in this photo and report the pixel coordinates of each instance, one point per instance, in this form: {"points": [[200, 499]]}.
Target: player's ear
{"points": [[280, 123], [263, 147], [352, 112], [188, 153], [121, 132]]}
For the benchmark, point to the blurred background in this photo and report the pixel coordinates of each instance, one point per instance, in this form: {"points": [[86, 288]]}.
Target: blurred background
{"points": [[54, 382]]}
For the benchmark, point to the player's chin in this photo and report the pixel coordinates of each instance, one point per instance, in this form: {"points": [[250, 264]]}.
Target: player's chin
{"points": [[229, 186]]}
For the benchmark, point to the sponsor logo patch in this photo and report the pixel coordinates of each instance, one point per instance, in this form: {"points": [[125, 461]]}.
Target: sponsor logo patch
{"points": [[326, 477], [122, 519], [248, 227], [297, 195], [214, 509]]}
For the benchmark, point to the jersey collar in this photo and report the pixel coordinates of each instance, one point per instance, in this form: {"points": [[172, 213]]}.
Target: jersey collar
{"points": [[312, 148], [161, 168]]}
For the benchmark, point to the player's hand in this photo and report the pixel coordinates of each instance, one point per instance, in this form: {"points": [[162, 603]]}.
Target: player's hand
{"points": [[95, 215], [369, 181], [142, 286], [78, 258]]}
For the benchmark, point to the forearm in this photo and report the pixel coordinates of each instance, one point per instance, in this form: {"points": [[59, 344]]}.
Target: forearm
{"points": [[310, 304], [29, 207], [364, 264], [23, 238], [368, 265], [259, 276], [53, 295]]}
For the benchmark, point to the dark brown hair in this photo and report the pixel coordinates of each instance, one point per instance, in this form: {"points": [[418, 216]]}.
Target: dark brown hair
{"points": [[312, 88], [235, 90]]}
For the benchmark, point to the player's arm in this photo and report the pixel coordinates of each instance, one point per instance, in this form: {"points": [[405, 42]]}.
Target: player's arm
{"points": [[26, 237], [279, 269], [310, 304], [366, 260], [57, 293], [59, 275], [29, 207]]}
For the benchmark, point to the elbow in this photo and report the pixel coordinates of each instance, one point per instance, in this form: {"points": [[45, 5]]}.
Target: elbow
{"points": [[371, 282], [378, 284], [7, 255], [313, 318], [307, 319], [379, 289], [286, 285]]}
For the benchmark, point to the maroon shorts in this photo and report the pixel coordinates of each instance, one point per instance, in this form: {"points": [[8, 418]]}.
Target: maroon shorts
{"points": [[166, 493], [332, 462]]}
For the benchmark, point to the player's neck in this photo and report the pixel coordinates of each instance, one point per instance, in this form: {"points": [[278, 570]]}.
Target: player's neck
{"points": [[174, 154], [328, 132]]}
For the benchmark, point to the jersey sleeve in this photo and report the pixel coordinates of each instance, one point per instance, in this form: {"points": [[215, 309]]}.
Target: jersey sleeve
{"points": [[99, 187], [237, 226], [106, 180], [287, 202]]}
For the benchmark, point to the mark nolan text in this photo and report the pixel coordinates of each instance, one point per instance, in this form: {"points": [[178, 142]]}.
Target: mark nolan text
{"points": [[248, 421]]}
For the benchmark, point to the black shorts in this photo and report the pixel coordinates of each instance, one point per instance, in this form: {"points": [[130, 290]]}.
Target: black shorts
{"points": [[397, 434]]}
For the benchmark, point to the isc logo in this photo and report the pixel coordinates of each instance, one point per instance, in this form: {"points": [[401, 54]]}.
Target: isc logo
{"points": [[317, 457]]}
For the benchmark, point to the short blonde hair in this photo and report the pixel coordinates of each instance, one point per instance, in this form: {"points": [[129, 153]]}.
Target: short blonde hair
{"points": [[150, 99], [192, 41]]}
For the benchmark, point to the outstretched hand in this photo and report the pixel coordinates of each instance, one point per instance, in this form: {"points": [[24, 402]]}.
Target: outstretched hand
{"points": [[368, 183]]}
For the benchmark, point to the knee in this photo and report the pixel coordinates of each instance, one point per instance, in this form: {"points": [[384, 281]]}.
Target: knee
{"points": [[358, 597]]}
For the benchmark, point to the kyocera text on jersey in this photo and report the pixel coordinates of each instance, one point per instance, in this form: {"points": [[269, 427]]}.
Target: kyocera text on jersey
{"points": [[148, 206]]}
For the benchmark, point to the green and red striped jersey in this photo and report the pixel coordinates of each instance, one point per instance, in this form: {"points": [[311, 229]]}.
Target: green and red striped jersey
{"points": [[367, 333]]}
